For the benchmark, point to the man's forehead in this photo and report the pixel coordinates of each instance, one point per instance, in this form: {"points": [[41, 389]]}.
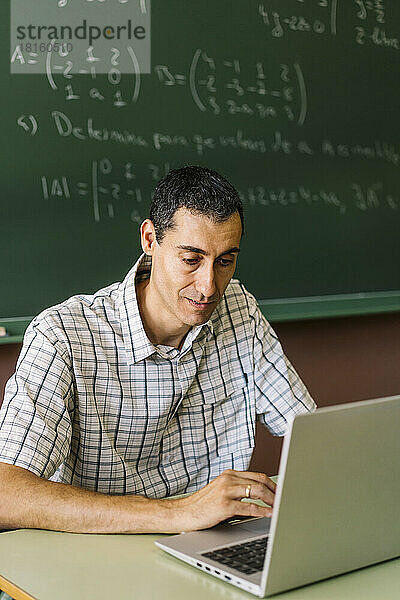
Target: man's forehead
{"points": [[189, 248], [198, 232]]}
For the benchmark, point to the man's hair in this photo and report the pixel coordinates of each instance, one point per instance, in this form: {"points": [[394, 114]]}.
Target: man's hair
{"points": [[199, 190]]}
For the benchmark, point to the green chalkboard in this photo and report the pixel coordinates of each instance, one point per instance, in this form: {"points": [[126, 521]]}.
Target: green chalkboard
{"points": [[297, 103]]}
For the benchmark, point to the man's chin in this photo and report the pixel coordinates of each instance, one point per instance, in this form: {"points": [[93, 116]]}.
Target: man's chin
{"points": [[193, 316], [198, 318]]}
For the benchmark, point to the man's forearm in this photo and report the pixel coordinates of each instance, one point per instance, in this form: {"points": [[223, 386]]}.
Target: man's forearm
{"points": [[28, 501]]}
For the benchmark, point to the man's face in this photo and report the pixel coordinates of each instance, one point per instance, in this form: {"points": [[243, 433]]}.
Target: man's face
{"points": [[193, 265]]}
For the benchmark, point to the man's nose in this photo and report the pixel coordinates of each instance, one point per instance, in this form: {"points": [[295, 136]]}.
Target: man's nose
{"points": [[205, 283]]}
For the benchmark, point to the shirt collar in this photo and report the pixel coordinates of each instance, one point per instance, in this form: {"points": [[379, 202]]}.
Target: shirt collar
{"points": [[137, 344]]}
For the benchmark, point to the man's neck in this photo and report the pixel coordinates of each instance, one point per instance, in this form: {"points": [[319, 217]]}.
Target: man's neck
{"points": [[157, 324]]}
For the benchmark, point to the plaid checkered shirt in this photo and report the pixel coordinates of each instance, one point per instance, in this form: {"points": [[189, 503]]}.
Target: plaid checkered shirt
{"points": [[95, 404]]}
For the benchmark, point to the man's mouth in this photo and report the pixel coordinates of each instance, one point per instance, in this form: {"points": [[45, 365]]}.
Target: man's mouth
{"points": [[200, 305]]}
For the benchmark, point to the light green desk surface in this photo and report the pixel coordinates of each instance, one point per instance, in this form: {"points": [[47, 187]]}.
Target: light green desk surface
{"points": [[47, 565]]}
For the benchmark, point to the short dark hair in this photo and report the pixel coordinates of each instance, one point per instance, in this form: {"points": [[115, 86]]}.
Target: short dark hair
{"points": [[199, 190]]}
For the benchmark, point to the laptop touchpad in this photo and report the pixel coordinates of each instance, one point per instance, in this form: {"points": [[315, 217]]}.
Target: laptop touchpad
{"points": [[256, 526]]}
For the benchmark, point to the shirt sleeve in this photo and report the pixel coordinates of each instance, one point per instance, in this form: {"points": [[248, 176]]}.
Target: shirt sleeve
{"points": [[280, 393], [35, 424]]}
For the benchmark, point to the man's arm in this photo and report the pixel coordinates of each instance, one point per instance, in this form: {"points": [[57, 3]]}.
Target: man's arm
{"points": [[280, 392], [28, 501]]}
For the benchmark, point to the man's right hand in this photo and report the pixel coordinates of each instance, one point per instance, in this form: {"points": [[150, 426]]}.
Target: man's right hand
{"points": [[221, 500]]}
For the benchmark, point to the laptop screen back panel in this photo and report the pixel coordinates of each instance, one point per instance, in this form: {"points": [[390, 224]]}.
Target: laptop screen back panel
{"points": [[339, 506]]}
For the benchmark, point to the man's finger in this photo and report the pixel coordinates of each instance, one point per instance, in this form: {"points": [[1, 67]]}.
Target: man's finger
{"points": [[249, 509], [260, 477], [250, 488]]}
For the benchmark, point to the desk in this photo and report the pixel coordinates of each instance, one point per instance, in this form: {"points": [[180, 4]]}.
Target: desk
{"points": [[45, 565]]}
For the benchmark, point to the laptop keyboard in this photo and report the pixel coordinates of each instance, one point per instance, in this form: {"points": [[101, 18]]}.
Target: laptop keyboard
{"points": [[247, 557]]}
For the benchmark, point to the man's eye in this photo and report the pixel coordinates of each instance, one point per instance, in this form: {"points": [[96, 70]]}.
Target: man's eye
{"points": [[190, 261], [224, 262]]}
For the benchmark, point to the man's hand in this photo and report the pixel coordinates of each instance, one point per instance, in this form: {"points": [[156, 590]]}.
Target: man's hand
{"points": [[221, 500]]}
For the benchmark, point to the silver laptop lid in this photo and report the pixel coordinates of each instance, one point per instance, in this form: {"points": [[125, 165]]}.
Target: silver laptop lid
{"points": [[337, 506]]}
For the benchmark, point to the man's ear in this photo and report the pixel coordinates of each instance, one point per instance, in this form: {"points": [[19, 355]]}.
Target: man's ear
{"points": [[148, 237]]}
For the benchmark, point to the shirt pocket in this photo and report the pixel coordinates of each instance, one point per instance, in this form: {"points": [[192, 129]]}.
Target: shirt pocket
{"points": [[221, 417]]}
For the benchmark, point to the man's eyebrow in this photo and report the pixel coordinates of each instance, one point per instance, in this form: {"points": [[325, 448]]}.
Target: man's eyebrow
{"points": [[233, 250]]}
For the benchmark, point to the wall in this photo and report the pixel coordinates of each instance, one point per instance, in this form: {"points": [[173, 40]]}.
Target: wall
{"points": [[340, 360]]}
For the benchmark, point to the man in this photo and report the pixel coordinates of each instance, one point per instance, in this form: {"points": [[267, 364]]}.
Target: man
{"points": [[150, 387]]}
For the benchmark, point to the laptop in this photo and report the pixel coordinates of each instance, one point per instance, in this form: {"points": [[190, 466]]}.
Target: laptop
{"points": [[337, 505]]}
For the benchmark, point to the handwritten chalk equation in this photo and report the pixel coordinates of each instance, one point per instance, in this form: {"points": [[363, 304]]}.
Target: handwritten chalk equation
{"points": [[358, 197], [60, 73], [319, 17], [373, 21], [123, 191], [229, 86], [111, 191]]}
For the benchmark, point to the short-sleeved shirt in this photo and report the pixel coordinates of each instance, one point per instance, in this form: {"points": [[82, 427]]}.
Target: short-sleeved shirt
{"points": [[95, 404]]}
